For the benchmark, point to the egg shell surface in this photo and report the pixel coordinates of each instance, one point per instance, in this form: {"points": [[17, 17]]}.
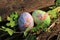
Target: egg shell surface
{"points": [[25, 20], [41, 17]]}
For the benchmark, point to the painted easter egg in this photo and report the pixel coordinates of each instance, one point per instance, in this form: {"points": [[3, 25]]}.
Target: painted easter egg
{"points": [[25, 20], [41, 17]]}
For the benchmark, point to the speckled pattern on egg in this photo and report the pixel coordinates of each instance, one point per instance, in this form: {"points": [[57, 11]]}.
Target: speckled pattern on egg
{"points": [[25, 20], [40, 17]]}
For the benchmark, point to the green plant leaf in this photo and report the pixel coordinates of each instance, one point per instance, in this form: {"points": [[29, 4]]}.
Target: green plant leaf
{"points": [[26, 31], [12, 23], [57, 2], [10, 31], [7, 24], [53, 13], [0, 18], [12, 15], [12, 19], [3, 27], [31, 37], [25, 34], [9, 19], [16, 15], [34, 29]]}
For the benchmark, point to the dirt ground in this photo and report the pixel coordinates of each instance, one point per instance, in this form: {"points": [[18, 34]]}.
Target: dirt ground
{"points": [[7, 6]]}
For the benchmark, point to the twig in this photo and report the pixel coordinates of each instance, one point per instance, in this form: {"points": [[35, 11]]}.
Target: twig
{"points": [[28, 36], [53, 24], [18, 32], [3, 34], [58, 38]]}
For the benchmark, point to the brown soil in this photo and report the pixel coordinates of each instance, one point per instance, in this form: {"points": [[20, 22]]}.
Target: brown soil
{"points": [[8, 6]]}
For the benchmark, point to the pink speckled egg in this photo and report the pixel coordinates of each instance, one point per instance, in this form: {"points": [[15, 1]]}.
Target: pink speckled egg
{"points": [[25, 20]]}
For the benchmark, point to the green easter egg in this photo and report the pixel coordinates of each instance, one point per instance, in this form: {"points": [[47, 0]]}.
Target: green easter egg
{"points": [[41, 17]]}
